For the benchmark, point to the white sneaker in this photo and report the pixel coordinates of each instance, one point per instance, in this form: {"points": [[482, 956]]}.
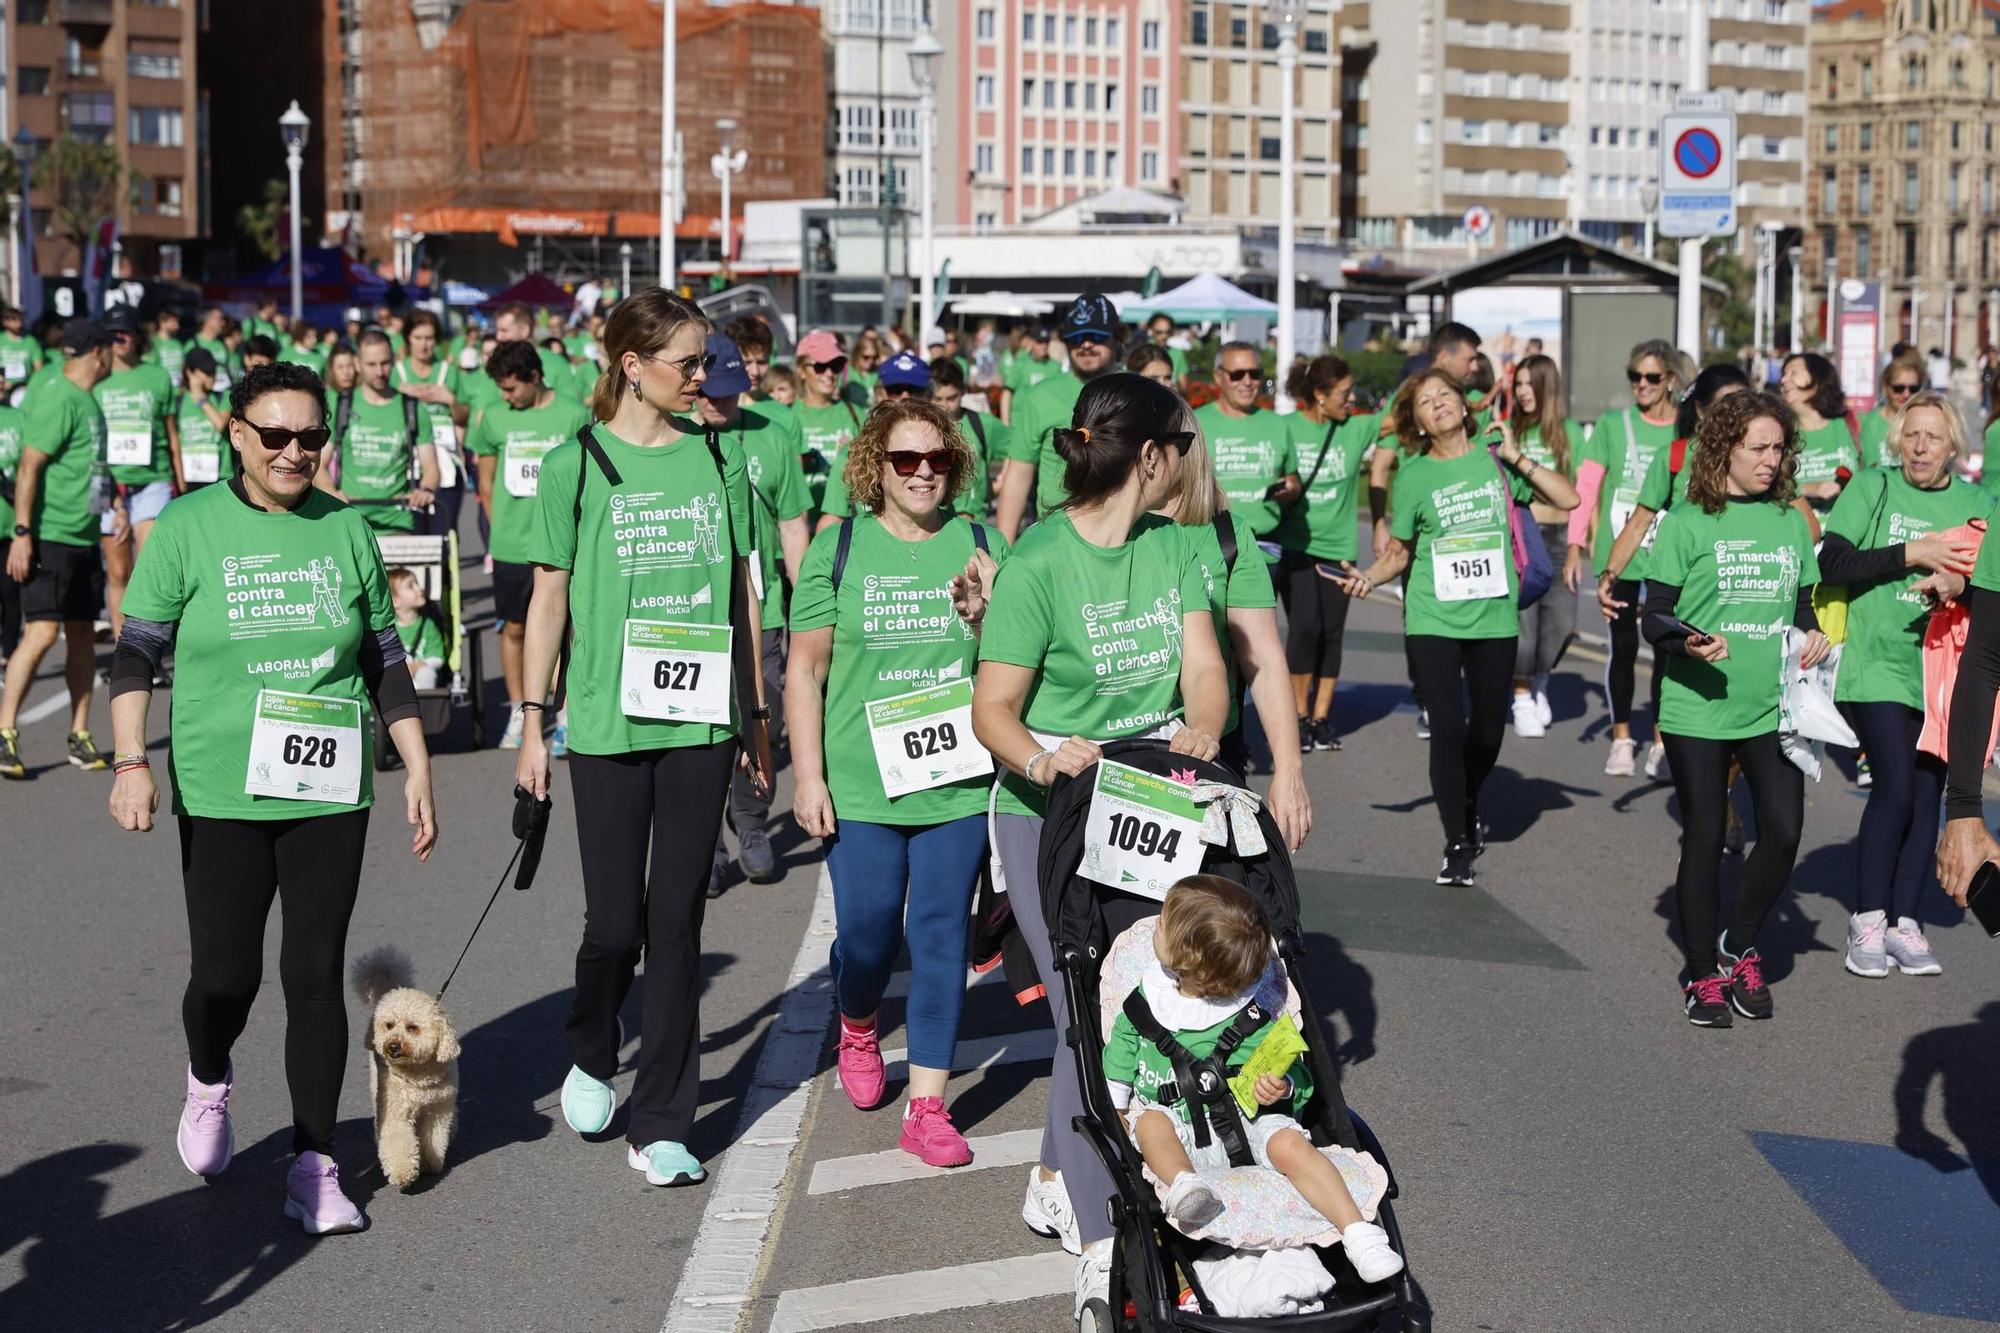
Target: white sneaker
{"points": [[1656, 763], [517, 718], [1192, 1202], [1528, 722], [1367, 1247], [1621, 762], [1047, 1212], [1543, 708], [1093, 1283], [1909, 950]]}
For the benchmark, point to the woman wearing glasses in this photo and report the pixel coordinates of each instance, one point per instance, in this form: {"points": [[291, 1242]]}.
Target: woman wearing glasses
{"points": [[885, 635], [1902, 379], [828, 419], [274, 597], [642, 545]]}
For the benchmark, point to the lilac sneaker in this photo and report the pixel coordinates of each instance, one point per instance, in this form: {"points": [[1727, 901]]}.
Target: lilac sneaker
{"points": [[206, 1139], [313, 1198]]}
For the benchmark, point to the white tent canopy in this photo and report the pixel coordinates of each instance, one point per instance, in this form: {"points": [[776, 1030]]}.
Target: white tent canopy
{"points": [[1006, 305], [1203, 299]]}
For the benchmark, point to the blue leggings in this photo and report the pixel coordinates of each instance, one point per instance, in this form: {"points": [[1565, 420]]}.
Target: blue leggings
{"points": [[1899, 825], [874, 867]]}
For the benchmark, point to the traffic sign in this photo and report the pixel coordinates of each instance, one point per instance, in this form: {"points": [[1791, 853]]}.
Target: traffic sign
{"points": [[1478, 222], [1698, 153], [1697, 173]]}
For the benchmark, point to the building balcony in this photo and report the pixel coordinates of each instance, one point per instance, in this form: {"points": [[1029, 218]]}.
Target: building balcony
{"points": [[83, 13]]}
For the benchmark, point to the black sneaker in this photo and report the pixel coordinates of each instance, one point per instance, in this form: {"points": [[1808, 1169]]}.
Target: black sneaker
{"points": [[1480, 829], [1423, 724], [1732, 832], [718, 874], [755, 854], [1323, 737], [1457, 868], [1305, 736], [84, 754], [1707, 1001], [1748, 994]]}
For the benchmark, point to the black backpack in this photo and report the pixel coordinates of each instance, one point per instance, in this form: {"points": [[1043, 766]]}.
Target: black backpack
{"points": [[846, 540]]}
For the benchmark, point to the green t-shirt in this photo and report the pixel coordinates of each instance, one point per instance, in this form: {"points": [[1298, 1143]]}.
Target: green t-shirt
{"points": [[201, 440], [444, 432], [1989, 471], [13, 426], [1532, 444], [226, 364], [314, 358], [518, 441], [476, 388], [894, 631], [1825, 451], [1875, 438], [20, 357], [49, 372], [135, 403], [769, 442], [1038, 414], [824, 434], [1100, 627], [1467, 589], [1248, 454], [1246, 586], [659, 546], [277, 601], [1138, 1064], [1883, 659], [1624, 442], [376, 461], [1739, 572], [1026, 371], [169, 354], [971, 497], [422, 640], [65, 423], [1322, 522]]}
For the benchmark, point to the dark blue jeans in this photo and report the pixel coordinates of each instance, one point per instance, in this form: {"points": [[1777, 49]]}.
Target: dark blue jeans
{"points": [[1899, 825]]}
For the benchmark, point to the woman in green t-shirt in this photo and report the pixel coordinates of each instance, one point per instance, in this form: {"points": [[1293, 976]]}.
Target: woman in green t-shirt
{"points": [[1828, 445], [1549, 436], [1903, 378], [1099, 629], [432, 380], [1884, 542], [885, 635], [642, 547], [1732, 568], [1461, 608], [273, 595]]}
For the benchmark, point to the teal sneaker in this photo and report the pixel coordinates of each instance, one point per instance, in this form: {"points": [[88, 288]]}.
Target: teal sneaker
{"points": [[587, 1103], [559, 740], [666, 1163]]}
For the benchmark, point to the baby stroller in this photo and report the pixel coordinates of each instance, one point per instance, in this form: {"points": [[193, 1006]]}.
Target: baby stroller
{"points": [[434, 560], [1149, 1255]]}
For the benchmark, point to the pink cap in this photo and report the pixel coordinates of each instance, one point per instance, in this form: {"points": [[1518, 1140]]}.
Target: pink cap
{"points": [[818, 346]]}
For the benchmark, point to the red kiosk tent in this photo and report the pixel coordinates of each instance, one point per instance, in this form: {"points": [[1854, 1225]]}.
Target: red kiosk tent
{"points": [[537, 290]]}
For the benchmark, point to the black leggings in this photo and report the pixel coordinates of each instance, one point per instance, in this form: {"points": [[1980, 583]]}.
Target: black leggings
{"points": [[645, 830], [1465, 740], [230, 871], [1777, 793], [1899, 825], [1315, 616], [1621, 674]]}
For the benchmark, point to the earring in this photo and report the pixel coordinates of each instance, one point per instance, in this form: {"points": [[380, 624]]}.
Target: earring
{"points": [[635, 389]]}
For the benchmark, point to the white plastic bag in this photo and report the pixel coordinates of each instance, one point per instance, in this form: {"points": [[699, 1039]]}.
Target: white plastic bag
{"points": [[1808, 720]]}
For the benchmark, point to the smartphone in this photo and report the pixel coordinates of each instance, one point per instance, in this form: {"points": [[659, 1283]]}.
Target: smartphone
{"points": [[1984, 898], [1332, 571], [1694, 635], [1274, 490]]}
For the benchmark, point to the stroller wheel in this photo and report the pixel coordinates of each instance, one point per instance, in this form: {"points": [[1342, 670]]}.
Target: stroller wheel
{"points": [[1095, 1318]]}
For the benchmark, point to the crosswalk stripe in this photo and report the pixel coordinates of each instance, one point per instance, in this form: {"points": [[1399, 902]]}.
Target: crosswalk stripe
{"points": [[901, 1295], [1015, 1148], [899, 984], [976, 1053]]}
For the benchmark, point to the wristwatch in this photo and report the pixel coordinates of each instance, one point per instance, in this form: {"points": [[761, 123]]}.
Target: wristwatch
{"points": [[23, 530], [762, 714]]}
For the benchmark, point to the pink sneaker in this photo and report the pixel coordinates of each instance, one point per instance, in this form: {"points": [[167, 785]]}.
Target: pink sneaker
{"points": [[313, 1198], [929, 1133], [858, 1060], [205, 1138]]}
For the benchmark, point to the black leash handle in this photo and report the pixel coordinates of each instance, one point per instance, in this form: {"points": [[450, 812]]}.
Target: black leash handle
{"points": [[491, 899]]}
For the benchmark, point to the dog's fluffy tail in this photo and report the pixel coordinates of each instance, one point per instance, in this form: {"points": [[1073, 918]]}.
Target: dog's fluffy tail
{"points": [[378, 972]]}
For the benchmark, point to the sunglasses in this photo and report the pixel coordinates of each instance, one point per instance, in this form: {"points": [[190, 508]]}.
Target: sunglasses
{"points": [[1240, 375], [278, 439], [907, 461], [900, 391], [1902, 388], [834, 366], [1086, 340], [1182, 441], [687, 365], [1648, 377]]}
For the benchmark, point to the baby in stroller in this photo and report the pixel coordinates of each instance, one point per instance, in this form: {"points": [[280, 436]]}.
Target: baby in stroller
{"points": [[1216, 989]]}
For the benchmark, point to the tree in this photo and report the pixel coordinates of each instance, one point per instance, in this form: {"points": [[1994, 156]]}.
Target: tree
{"points": [[263, 224], [88, 183], [1732, 310]]}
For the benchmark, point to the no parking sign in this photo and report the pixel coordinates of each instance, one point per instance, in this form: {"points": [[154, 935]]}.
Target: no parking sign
{"points": [[1697, 174]]}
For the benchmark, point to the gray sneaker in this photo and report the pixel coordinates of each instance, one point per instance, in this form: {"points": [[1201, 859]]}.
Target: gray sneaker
{"points": [[756, 855], [1910, 951], [1866, 955]]}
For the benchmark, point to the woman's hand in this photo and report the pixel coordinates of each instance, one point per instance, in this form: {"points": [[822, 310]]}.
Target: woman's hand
{"points": [[1354, 583], [1290, 806], [1941, 556], [971, 590], [422, 812], [1194, 741], [1606, 603], [812, 806], [1070, 758], [134, 799], [1715, 648], [1507, 451], [418, 498], [1269, 1089], [20, 558], [1815, 650], [1937, 589], [1573, 569], [1966, 846], [531, 765]]}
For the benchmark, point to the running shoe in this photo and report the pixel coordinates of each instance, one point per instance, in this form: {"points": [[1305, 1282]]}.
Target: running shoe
{"points": [[1480, 831], [718, 874], [1864, 776], [1707, 1001], [755, 854], [1867, 945], [84, 754], [205, 1138], [1093, 1283], [1192, 1202], [930, 1135], [1542, 704], [1747, 992], [1305, 736], [1622, 762], [1323, 737], [858, 1066], [665, 1163], [1457, 868], [1046, 1211], [1368, 1249], [587, 1103], [1423, 724], [10, 754], [314, 1200], [1528, 724], [517, 726], [1732, 831], [1910, 951], [1656, 763], [559, 738]]}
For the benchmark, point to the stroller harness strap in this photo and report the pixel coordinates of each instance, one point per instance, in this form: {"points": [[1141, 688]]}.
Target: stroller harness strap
{"points": [[1202, 1081]]}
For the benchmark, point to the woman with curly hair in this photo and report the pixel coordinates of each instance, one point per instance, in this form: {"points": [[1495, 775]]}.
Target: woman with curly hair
{"points": [[1731, 569], [1827, 442]]}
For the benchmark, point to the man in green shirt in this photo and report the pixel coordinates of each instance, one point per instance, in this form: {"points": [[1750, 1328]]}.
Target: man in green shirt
{"points": [[142, 447], [1029, 367], [515, 322], [210, 338], [164, 348], [265, 321], [60, 491], [1090, 331], [380, 440], [20, 355], [986, 433], [1249, 448], [304, 349]]}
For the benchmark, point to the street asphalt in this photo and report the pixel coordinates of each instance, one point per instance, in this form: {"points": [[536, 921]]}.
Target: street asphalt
{"points": [[1572, 1154]]}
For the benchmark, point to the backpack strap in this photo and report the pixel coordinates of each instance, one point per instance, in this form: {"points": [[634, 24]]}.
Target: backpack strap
{"points": [[343, 415], [410, 426], [1677, 457], [1202, 1081], [978, 430], [1331, 428], [586, 437], [840, 548], [1225, 537]]}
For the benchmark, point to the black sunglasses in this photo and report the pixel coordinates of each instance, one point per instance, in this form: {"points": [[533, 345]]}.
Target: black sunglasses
{"points": [[1182, 440], [1902, 388], [1644, 377], [1086, 340], [278, 439], [906, 461], [900, 391], [838, 364], [1241, 375]]}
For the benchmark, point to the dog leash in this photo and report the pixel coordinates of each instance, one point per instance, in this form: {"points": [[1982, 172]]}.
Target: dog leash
{"points": [[493, 898]]}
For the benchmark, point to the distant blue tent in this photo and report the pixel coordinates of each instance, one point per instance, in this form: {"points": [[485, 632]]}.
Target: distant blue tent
{"points": [[332, 283]]}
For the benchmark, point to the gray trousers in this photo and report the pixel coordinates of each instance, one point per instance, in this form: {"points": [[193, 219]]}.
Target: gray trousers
{"points": [[746, 808], [1549, 626], [1018, 839]]}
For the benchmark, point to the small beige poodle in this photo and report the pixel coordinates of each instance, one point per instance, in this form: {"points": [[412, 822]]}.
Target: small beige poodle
{"points": [[413, 1076]]}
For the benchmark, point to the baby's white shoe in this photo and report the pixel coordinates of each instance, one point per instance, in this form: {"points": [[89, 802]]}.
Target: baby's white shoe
{"points": [[1367, 1247], [1192, 1202]]}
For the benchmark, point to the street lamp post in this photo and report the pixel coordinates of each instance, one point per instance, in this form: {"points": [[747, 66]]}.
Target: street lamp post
{"points": [[1649, 201], [924, 54], [670, 142], [28, 276], [624, 269], [1688, 320], [1284, 14], [294, 126], [1797, 255], [725, 165]]}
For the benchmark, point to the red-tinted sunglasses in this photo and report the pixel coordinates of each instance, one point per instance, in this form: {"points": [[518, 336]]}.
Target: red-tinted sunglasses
{"points": [[906, 461]]}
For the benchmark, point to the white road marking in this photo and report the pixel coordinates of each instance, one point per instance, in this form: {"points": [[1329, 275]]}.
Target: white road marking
{"points": [[1014, 1148], [976, 1053], [48, 707], [900, 1295], [899, 984], [729, 1244]]}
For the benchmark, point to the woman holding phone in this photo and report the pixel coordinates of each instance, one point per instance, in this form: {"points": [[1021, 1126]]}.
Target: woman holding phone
{"points": [[1555, 441]]}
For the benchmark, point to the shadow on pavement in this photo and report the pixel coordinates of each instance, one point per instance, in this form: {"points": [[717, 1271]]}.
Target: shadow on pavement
{"points": [[1512, 802], [1363, 703], [1341, 988], [1828, 872], [1787, 932], [1966, 1060]]}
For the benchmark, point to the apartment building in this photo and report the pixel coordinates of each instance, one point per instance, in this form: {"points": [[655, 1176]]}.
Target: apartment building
{"points": [[1902, 190], [872, 135]]}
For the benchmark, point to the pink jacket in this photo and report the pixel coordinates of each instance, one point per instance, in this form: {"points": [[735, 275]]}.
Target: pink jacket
{"points": [[1944, 644]]}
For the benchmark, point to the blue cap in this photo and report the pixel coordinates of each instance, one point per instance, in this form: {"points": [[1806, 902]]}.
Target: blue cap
{"points": [[1090, 313], [727, 375], [905, 370]]}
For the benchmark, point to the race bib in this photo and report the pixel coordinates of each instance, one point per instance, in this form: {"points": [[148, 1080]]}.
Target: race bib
{"points": [[1622, 504], [305, 747], [924, 739], [524, 468], [13, 368], [1143, 833], [201, 465], [1471, 568], [676, 672], [129, 448], [1652, 531]]}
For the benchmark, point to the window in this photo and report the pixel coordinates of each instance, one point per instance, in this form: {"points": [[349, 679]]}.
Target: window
{"points": [[1111, 32], [1027, 161], [1951, 188], [1867, 137], [1864, 191], [1111, 98], [1089, 96], [1048, 27], [1198, 27], [82, 62], [1239, 32], [1424, 132], [985, 26], [1268, 148], [1069, 94], [31, 11], [1913, 134], [985, 221], [1864, 257], [1910, 189], [1909, 251], [1149, 35], [1111, 163], [982, 159], [1048, 94], [1090, 32], [1027, 26], [1149, 165], [1149, 100], [89, 115], [1267, 36], [162, 197], [1829, 191], [982, 91], [859, 185], [1832, 81], [1069, 30], [1473, 131], [1986, 192], [1069, 162], [1833, 138], [1829, 249], [1048, 161], [1316, 41], [1027, 94], [1090, 164], [1774, 103], [1611, 137], [1954, 136], [32, 80], [153, 60]]}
